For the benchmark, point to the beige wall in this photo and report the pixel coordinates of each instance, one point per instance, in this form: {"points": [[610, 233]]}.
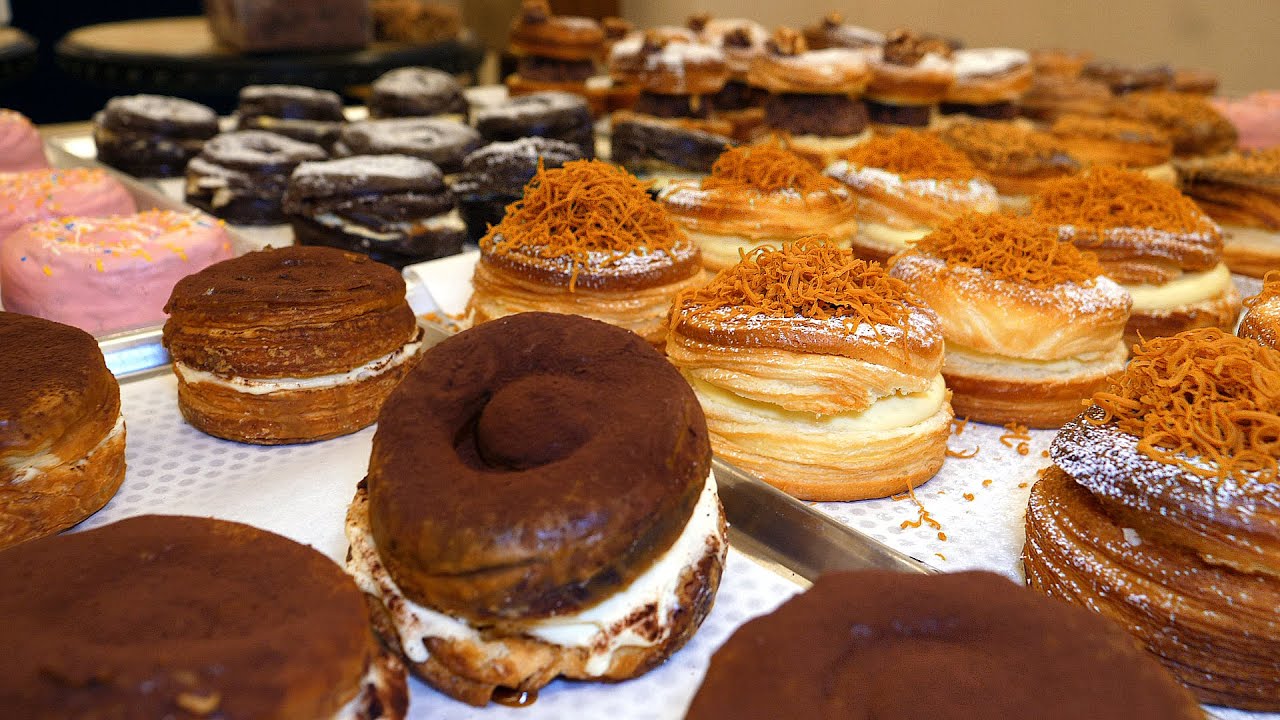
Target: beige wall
{"points": [[1239, 39]]}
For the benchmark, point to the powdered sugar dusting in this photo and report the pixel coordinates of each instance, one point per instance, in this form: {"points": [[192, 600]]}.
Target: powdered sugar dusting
{"points": [[984, 62], [974, 191]]}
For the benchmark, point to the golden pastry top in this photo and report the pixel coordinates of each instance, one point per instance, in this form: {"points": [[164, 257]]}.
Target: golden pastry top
{"points": [[1202, 400], [1109, 197], [912, 155], [593, 223], [1009, 248], [766, 168], [1009, 148], [789, 66], [1115, 129]]}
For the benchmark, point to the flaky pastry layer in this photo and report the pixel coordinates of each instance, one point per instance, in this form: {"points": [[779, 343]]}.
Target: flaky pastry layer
{"points": [[834, 71]]}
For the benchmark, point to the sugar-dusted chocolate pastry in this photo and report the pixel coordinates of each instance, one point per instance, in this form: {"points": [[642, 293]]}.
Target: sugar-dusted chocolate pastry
{"points": [[302, 113], [172, 616], [833, 32], [442, 141], [416, 92], [289, 345], [1161, 507], [957, 646], [62, 437], [1241, 192], [494, 176], [483, 437], [241, 176], [556, 115], [1196, 128], [393, 208], [1032, 325], [152, 135], [266, 26], [911, 74], [1154, 241], [647, 144], [586, 239]]}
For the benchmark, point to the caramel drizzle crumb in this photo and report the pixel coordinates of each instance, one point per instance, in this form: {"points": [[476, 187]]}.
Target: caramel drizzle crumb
{"points": [[1022, 486], [806, 278], [968, 496], [767, 168], [913, 155], [924, 518], [1201, 394], [942, 536], [1109, 197], [1270, 289], [958, 425], [986, 483], [585, 208], [1044, 453], [1168, 108], [994, 145], [1010, 248]]}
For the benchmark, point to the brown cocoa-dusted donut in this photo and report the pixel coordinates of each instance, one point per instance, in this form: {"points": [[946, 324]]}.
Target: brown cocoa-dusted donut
{"points": [[948, 647], [61, 434], [518, 471], [185, 617]]}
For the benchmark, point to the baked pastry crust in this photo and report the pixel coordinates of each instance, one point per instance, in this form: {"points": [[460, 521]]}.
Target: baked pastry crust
{"points": [[1112, 141], [1052, 96], [985, 76], [62, 438], [1194, 126], [674, 67], [1261, 322], [788, 66], [1242, 192], [1015, 158], [536, 32]]}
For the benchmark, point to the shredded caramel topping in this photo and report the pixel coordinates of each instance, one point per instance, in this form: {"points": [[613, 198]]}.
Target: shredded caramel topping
{"points": [[1167, 108], [806, 278], [1201, 394], [1088, 126], [1010, 248], [767, 168], [591, 212], [999, 145], [1109, 197], [913, 155]]}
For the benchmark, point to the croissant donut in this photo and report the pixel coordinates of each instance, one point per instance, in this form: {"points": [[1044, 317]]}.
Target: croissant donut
{"points": [[1262, 320], [536, 32], [539, 503], [1162, 511], [1119, 143], [1016, 159], [1239, 191]]}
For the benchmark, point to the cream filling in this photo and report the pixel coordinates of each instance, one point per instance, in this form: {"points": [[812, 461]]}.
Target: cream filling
{"points": [[265, 386], [29, 467], [448, 221], [1257, 239], [373, 681], [887, 413], [1188, 289], [968, 362], [722, 251], [1016, 204], [891, 238], [603, 628], [1164, 172], [830, 145]]}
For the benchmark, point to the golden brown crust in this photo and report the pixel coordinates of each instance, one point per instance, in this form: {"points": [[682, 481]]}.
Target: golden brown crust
{"points": [[1195, 127], [536, 32], [1261, 321], [1015, 158], [1214, 628], [923, 84], [1050, 97], [1059, 62], [1220, 312], [834, 71], [289, 312], [1112, 141], [1240, 189], [61, 496], [1007, 86], [1037, 400], [677, 67], [755, 215], [498, 292]]}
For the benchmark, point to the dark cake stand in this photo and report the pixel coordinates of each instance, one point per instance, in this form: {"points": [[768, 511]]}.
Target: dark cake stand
{"points": [[17, 55]]}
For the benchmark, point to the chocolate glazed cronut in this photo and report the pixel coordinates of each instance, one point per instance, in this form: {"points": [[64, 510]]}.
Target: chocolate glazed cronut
{"points": [[551, 485]]}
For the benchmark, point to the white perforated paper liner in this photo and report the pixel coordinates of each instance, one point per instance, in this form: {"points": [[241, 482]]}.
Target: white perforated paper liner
{"points": [[302, 492], [973, 509]]}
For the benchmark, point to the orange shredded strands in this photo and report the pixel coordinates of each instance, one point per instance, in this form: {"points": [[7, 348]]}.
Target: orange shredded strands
{"points": [[1270, 289], [1105, 128], [962, 454], [986, 483], [591, 213], [942, 536], [994, 145], [806, 278], [1010, 248], [766, 168], [1109, 197], [913, 154], [924, 518], [1014, 431], [958, 425], [968, 496], [1201, 394], [1167, 108]]}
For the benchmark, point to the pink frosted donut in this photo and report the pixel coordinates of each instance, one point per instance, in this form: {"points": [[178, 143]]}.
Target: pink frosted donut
{"points": [[20, 144], [106, 274], [1256, 117], [50, 194]]}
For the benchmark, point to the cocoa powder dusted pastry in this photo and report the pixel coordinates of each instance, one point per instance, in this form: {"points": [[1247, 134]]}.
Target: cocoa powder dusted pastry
{"points": [[556, 115], [833, 32], [62, 436], [302, 113], [1241, 192], [241, 176], [1151, 239], [1032, 327], [1016, 159], [1196, 129], [1120, 143], [289, 345], [989, 82], [757, 195], [813, 95], [1261, 321], [586, 239], [910, 75], [394, 208], [494, 176], [950, 647], [172, 616], [1052, 96], [555, 52], [152, 135], [417, 92], [461, 534], [1160, 511], [906, 184], [818, 372], [442, 141]]}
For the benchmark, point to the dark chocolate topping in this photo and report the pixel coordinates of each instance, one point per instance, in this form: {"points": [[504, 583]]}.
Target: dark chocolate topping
{"points": [[824, 115], [443, 142], [362, 174], [542, 113], [520, 471], [505, 167], [52, 377], [160, 114], [640, 141], [259, 150], [293, 102], [959, 646], [179, 617], [416, 91]]}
